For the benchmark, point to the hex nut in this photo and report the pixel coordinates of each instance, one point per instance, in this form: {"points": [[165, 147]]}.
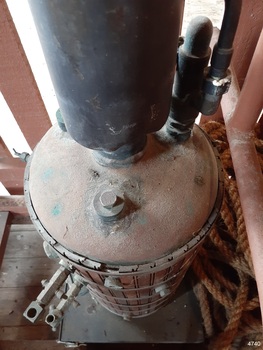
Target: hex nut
{"points": [[108, 199], [108, 203]]}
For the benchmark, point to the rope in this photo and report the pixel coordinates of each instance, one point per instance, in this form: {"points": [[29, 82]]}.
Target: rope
{"points": [[222, 271]]}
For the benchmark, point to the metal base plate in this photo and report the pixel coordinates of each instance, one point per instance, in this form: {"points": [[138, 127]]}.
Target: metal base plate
{"points": [[178, 322]]}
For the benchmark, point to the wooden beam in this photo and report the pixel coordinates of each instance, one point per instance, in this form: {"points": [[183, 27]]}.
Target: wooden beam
{"points": [[32, 344], [13, 204], [17, 82], [17, 208], [4, 151], [13, 180], [11, 163], [21, 220], [12, 174], [4, 232]]}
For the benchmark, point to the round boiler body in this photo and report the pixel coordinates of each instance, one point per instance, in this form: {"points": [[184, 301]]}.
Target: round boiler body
{"points": [[140, 290], [134, 259]]}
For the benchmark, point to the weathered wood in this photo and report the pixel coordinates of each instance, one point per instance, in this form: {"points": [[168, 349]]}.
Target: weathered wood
{"points": [[28, 332], [20, 219], [33, 345], [51, 345], [14, 187], [11, 163], [12, 174], [17, 82], [4, 231], [26, 272], [13, 303], [22, 227], [24, 266], [13, 181], [4, 151], [25, 243], [14, 204]]}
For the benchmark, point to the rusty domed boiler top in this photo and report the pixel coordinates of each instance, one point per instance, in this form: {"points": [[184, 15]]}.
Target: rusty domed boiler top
{"points": [[158, 230], [121, 193]]}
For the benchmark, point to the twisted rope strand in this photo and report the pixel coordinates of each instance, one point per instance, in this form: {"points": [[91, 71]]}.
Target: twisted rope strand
{"points": [[228, 297]]}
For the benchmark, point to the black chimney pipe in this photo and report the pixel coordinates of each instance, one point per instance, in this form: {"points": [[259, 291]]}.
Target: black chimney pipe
{"points": [[112, 63]]}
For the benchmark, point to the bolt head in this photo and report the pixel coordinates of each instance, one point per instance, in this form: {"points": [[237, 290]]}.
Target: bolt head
{"points": [[109, 203], [108, 199]]}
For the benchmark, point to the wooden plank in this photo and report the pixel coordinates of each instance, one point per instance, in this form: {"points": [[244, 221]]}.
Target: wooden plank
{"points": [[12, 174], [13, 204], [22, 227], [23, 243], [4, 231], [13, 303], [24, 266], [17, 82], [15, 186], [4, 151], [26, 272], [52, 345], [11, 163], [18, 219], [34, 345], [28, 332]]}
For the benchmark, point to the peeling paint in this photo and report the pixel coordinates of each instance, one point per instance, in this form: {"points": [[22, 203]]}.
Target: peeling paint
{"points": [[95, 103], [47, 175], [57, 210], [118, 132]]}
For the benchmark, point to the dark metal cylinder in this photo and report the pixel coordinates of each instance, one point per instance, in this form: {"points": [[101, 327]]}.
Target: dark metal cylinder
{"points": [[112, 64]]}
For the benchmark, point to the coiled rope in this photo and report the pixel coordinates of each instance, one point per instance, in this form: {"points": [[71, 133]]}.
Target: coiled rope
{"points": [[223, 269]]}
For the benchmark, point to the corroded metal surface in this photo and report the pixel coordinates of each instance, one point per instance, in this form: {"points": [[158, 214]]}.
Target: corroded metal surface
{"points": [[169, 195], [133, 264], [178, 322]]}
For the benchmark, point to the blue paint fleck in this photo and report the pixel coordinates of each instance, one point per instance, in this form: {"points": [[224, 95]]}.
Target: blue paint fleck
{"points": [[56, 210], [47, 174], [142, 220]]}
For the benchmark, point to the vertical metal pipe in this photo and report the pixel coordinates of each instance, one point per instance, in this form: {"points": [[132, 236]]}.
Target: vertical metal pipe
{"points": [[223, 50], [193, 57], [112, 63], [218, 76], [247, 169]]}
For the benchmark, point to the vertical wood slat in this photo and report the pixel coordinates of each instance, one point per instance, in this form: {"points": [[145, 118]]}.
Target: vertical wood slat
{"points": [[5, 220], [17, 82]]}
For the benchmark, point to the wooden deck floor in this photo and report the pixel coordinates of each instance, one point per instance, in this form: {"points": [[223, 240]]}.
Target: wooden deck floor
{"points": [[24, 266]]}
